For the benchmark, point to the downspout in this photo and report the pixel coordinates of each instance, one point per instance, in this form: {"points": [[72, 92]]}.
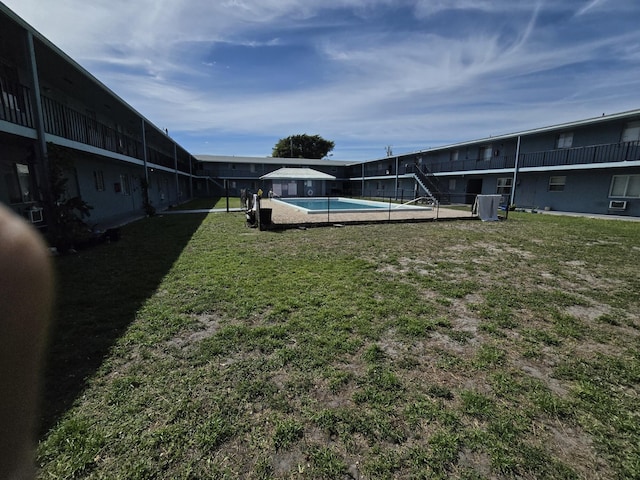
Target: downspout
{"points": [[362, 193], [144, 153], [512, 201], [146, 197], [42, 178]]}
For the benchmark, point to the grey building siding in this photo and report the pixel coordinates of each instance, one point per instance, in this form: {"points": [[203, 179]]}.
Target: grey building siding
{"points": [[107, 200], [585, 191]]}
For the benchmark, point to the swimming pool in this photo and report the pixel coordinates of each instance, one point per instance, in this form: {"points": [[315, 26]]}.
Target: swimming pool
{"points": [[342, 205]]}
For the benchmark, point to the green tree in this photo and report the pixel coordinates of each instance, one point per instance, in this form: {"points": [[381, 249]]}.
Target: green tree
{"points": [[302, 146]]}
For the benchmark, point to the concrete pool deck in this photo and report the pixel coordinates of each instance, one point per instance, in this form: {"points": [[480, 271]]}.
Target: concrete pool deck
{"points": [[283, 215]]}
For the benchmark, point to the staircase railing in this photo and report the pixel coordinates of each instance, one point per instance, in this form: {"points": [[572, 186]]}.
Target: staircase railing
{"points": [[431, 186]]}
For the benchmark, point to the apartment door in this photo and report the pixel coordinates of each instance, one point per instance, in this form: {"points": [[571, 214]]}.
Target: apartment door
{"points": [[474, 187]]}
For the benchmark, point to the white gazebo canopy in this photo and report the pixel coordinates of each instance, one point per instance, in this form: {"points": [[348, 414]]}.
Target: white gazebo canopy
{"points": [[288, 173]]}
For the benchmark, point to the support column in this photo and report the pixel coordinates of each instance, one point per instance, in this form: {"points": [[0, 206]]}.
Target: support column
{"points": [[146, 199], [190, 177], [512, 200], [175, 160], [41, 162], [396, 194], [144, 152]]}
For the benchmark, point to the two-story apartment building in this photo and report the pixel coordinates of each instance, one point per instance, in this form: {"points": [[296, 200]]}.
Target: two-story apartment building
{"points": [[587, 166], [53, 113]]}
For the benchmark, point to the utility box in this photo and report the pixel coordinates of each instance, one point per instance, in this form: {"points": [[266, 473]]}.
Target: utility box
{"points": [[265, 218]]}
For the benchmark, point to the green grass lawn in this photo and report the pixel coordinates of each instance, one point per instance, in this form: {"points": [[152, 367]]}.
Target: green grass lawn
{"points": [[197, 348]]}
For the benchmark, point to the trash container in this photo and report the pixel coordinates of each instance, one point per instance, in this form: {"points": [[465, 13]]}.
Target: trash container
{"points": [[265, 218]]}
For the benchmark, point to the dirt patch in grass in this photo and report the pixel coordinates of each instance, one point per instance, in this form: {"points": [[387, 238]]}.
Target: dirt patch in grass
{"points": [[207, 324], [543, 372], [574, 446]]}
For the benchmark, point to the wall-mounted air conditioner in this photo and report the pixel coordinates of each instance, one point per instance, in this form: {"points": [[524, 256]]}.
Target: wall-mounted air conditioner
{"points": [[35, 214], [617, 205]]}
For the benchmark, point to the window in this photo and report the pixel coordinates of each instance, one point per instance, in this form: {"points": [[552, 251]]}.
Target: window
{"points": [[452, 184], [556, 184], [453, 156], [625, 186], [98, 178], [565, 140], [504, 185], [253, 168], [631, 132], [18, 184], [23, 181], [125, 185], [486, 152]]}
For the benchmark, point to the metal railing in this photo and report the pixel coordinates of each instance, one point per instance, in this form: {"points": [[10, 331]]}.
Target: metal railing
{"points": [[63, 121], [605, 153], [612, 152], [15, 104], [329, 209]]}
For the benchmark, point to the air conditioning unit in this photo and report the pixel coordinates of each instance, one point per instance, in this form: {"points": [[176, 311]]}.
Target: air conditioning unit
{"points": [[35, 214], [617, 205]]}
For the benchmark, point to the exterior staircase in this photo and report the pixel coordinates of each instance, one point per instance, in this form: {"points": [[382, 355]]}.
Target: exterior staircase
{"points": [[432, 187]]}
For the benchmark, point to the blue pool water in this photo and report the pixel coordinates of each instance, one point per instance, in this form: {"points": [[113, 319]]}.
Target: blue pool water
{"points": [[321, 204], [344, 205]]}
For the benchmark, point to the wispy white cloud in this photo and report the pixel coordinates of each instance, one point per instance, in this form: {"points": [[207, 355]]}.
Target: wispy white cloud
{"points": [[589, 6], [425, 8], [444, 71]]}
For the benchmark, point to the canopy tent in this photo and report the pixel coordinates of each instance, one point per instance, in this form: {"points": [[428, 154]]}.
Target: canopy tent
{"points": [[288, 173]]}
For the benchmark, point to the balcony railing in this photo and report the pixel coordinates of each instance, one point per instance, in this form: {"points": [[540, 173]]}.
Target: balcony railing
{"points": [[65, 122], [497, 163], [613, 152], [62, 121], [15, 104], [606, 153]]}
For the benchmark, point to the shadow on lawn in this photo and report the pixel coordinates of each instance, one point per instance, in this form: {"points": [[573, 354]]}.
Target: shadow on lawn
{"points": [[201, 203], [99, 292]]}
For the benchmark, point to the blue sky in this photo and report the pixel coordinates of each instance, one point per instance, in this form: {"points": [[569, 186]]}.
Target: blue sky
{"points": [[231, 77]]}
